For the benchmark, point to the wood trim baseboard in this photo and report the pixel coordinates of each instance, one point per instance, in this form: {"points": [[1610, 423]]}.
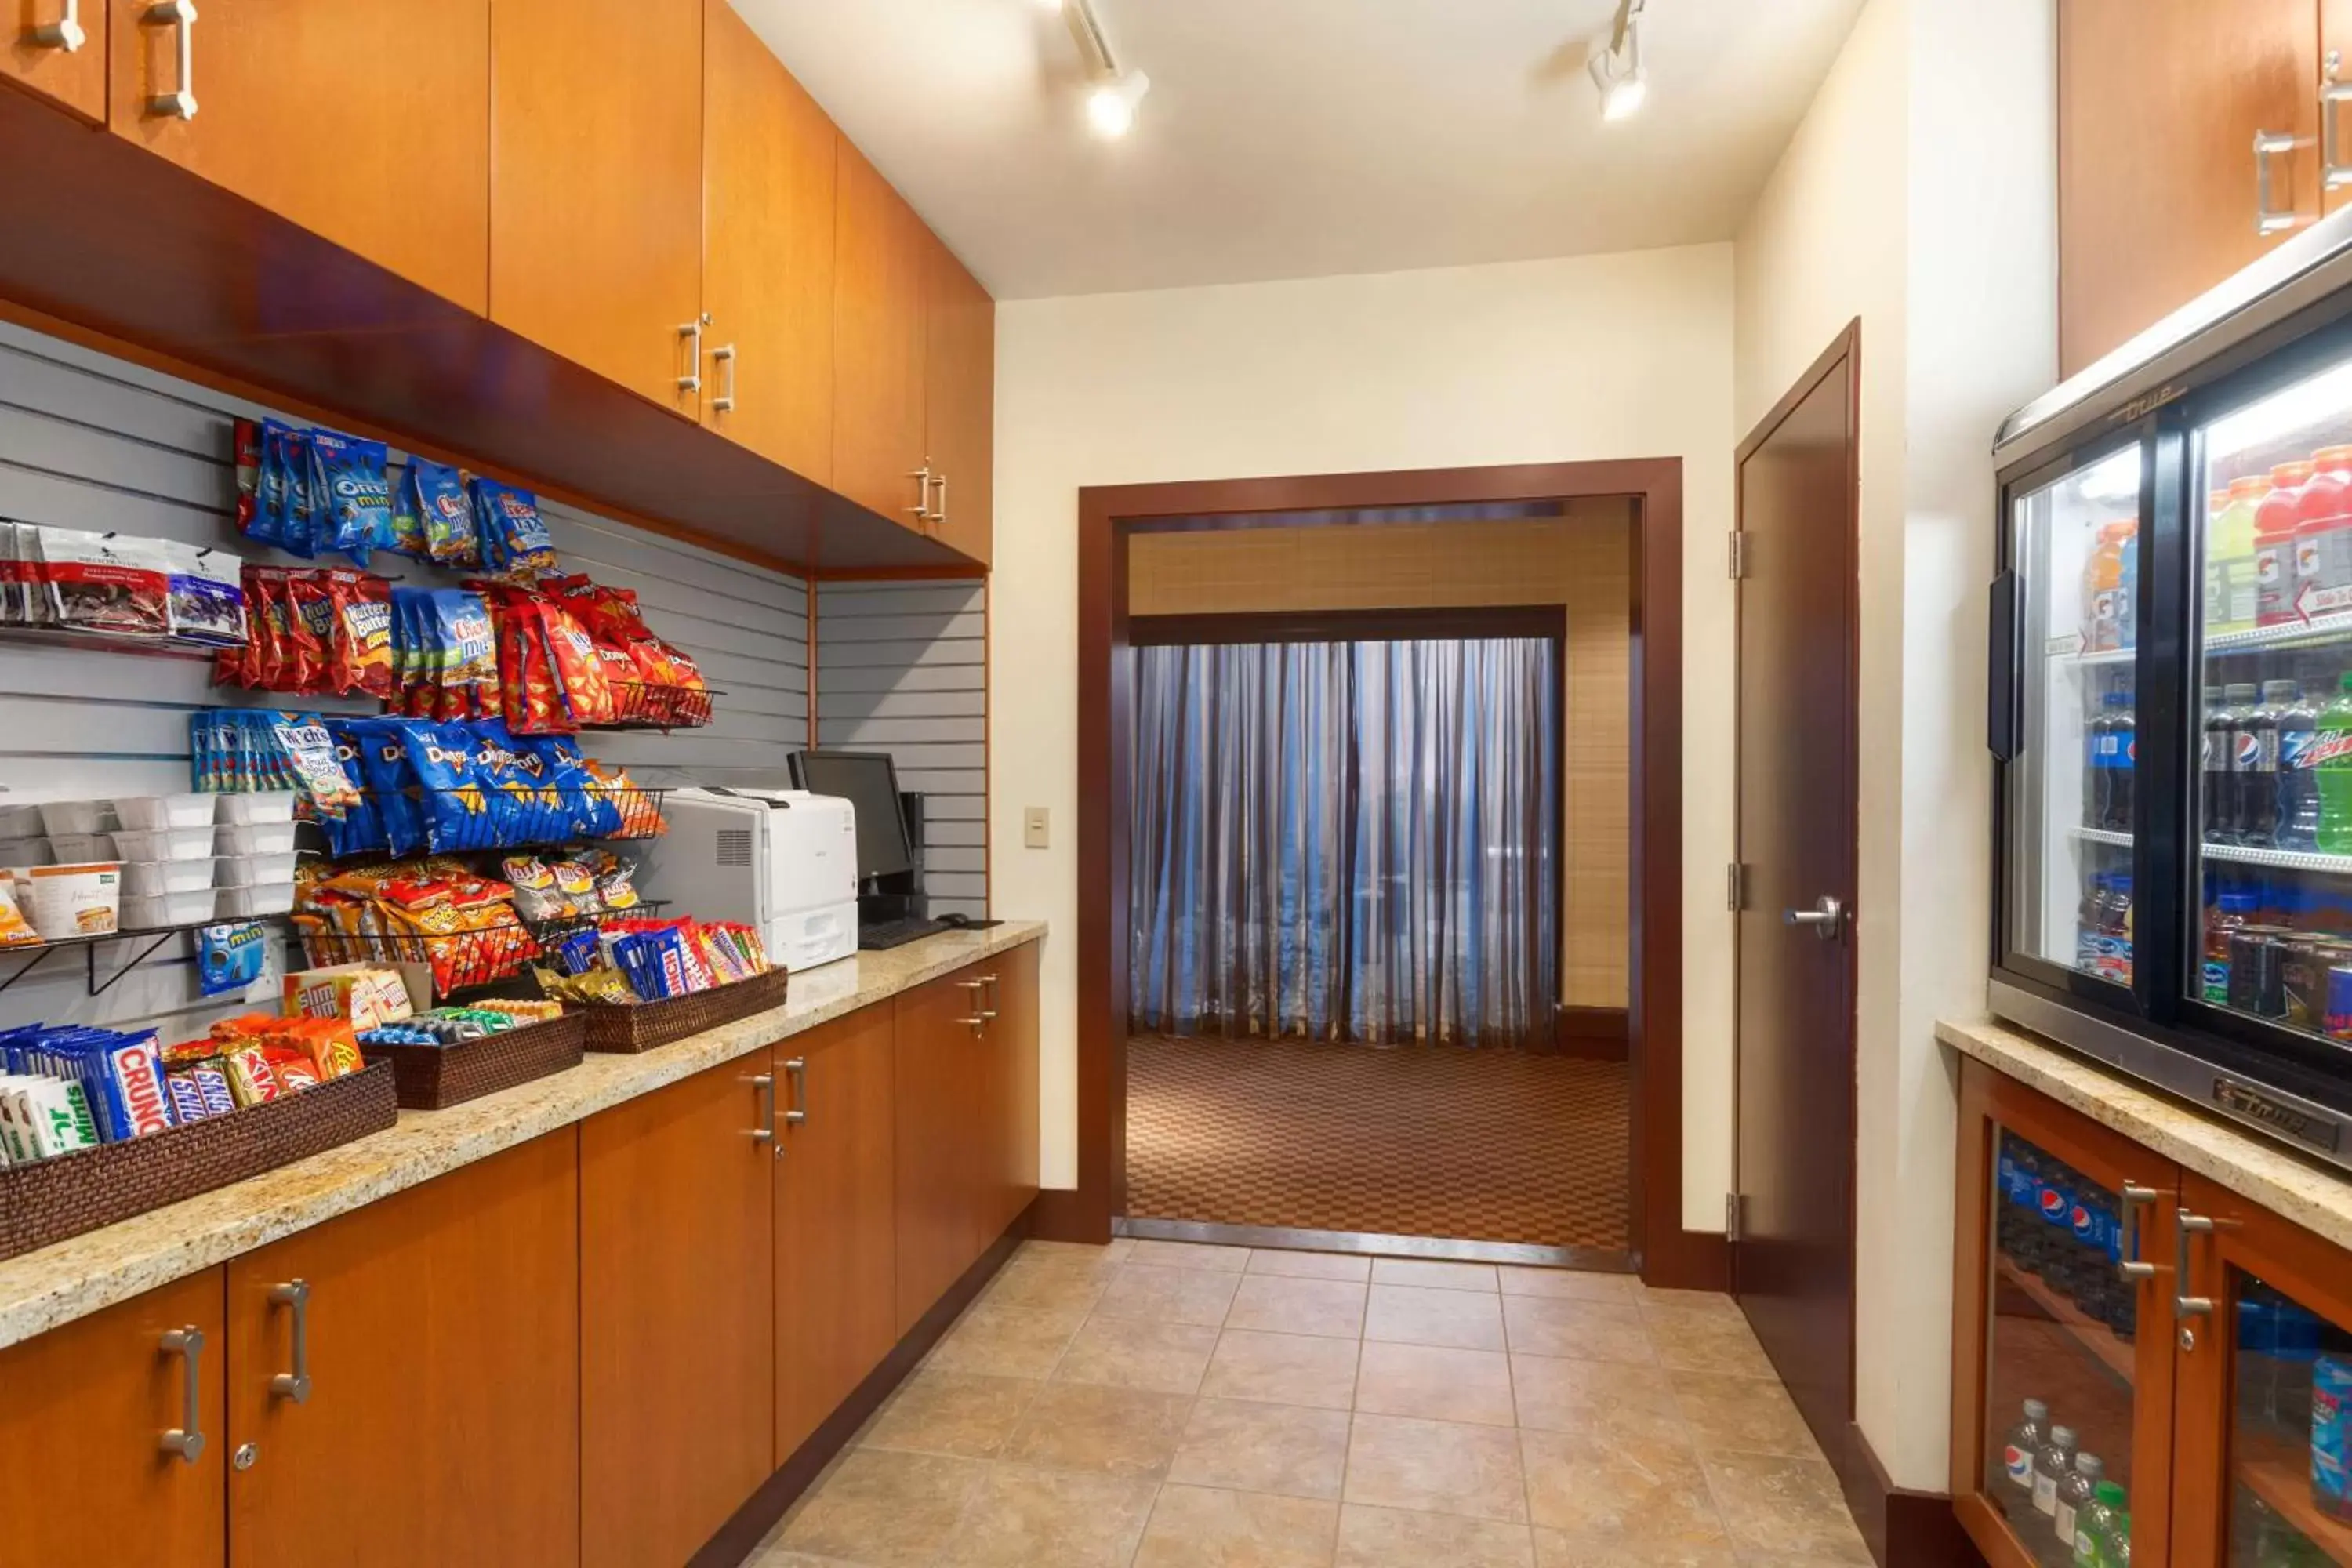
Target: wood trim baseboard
{"points": [[1902, 1528], [1593, 1033], [1686, 1260], [741, 1535]]}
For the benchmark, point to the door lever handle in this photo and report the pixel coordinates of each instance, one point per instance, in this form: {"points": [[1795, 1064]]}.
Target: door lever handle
{"points": [[1827, 917]]}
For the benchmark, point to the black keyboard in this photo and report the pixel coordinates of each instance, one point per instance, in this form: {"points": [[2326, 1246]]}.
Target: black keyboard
{"points": [[897, 933]]}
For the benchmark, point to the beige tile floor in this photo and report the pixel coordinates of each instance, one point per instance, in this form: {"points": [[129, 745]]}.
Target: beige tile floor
{"points": [[1172, 1406]]}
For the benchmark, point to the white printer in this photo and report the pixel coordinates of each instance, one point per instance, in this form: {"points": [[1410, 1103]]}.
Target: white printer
{"points": [[782, 861]]}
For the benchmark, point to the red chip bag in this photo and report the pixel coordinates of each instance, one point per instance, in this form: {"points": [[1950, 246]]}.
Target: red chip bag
{"points": [[581, 683], [310, 629]]}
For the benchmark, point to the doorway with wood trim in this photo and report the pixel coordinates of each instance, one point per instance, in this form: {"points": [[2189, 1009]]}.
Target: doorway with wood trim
{"points": [[1275, 515]]}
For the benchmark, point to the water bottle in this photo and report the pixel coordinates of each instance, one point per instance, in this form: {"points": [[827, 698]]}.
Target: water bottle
{"points": [[2025, 1440], [2051, 1467], [2076, 1490]]}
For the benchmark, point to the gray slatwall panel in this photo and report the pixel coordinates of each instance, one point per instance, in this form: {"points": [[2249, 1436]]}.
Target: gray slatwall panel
{"points": [[903, 668], [88, 441]]}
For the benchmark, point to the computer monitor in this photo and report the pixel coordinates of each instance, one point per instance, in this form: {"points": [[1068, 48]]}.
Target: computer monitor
{"points": [[870, 783]]}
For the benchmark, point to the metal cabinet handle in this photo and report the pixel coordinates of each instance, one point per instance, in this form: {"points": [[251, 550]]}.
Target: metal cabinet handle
{"points": [[2188, 1306], [181, 16], [940, 516], [2268, 219], [922, 507], [725, 401], [295, 1385], [690, 334], [796, 1068], [765, 1083], [66, 34], [2136, 1198], [187, 1440]]}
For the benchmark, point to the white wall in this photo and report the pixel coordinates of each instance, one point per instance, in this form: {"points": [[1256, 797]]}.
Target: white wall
{"points": [[1918, 196], [1598, 357]]}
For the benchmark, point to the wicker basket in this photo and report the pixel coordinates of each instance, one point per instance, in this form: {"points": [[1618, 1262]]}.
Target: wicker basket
{"points": [[640, 1027], [48, 1202], [434, 1077]]}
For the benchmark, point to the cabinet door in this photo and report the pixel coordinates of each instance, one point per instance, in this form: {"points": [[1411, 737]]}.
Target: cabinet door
{"points": [[84, 1475], [880, 278], [596, 185], [2158, 105], [38, 57], [2265, 1363], [2048, 1327], [940, 1051], [368, 124], [767, 251], [960, 382], [836, 1237], [441, 1338], [1013, 1100], [676, 1315]]}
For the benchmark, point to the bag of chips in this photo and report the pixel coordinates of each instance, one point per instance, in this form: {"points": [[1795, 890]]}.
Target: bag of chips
{"points": [[514, 539], [452, 538], [359, 660], [350, 494], [457, 813], [309, 634]]}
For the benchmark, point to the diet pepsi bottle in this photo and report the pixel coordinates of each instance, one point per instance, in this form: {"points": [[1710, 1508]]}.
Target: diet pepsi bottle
{"points": [[2214, 774], [2254, 765]]}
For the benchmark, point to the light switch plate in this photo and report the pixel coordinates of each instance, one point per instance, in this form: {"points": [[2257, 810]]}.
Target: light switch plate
{"points": [[1034, 832]]}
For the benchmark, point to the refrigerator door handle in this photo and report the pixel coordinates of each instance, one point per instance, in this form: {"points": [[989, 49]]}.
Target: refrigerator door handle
{"points": [[2005, 714]]}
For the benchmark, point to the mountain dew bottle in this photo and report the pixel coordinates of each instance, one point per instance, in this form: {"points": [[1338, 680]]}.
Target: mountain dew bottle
{"points": [[2331, 757], [2095, 1526]]}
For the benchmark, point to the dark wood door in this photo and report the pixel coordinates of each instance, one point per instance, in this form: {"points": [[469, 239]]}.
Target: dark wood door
{"points": [[767, 251], [367, 124], [2157, 204], [677, 1320], [442, 1331], [65, 65], [1792, 1263], [837, 1238], [84, 1477]]}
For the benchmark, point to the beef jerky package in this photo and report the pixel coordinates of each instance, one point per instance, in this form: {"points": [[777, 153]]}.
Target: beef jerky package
{"points": [[105, 584], [207, 595]]}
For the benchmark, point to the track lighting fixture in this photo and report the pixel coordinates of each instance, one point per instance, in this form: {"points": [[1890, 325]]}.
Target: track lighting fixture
{"points": [[1113, 93], [1617, 69]]}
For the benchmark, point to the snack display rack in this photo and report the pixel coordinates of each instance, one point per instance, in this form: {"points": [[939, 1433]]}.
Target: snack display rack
{"points": [[460, 961], [160, 646], [434, 1077], [639, 706], [630, 1026], [638, 811], [154, 937]]}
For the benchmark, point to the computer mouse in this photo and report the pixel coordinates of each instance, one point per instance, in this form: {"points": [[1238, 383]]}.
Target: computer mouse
{"points": [[955, 921]]}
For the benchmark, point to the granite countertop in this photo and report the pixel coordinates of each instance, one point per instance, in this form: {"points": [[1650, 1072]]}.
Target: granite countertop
{"points": [[2313, 1196], [74, 1279]]}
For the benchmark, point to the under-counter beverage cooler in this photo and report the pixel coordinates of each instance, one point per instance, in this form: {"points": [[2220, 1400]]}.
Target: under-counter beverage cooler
{"points": [[2171, 703]]}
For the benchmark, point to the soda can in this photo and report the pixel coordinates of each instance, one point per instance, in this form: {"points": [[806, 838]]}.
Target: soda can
{"points": [[2303, 973], [2257, 971], [2339, 1017]]}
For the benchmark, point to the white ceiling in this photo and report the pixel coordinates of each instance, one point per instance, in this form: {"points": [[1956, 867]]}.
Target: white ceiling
{"points": [[1301, 137]]}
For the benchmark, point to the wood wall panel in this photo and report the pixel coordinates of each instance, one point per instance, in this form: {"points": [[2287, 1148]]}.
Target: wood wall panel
{"points": [[1582, 560]]}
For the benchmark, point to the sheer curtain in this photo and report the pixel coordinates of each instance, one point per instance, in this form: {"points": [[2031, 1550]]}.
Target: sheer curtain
{"points": [[1352, 841]]}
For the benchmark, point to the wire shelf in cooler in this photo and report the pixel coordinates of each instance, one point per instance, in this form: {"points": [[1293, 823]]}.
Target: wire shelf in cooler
{"points": [[2240, 854], [2318, 632]]}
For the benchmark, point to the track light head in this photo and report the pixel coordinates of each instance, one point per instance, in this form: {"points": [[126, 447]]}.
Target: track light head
{"points": [[1617, 69]]}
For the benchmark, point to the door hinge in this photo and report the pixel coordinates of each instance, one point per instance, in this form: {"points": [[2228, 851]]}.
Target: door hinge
{"points": [[1739, 553], [1735, 887], [1731, 1206]]}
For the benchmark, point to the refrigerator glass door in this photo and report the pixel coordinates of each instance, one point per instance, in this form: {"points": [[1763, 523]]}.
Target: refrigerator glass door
{"points": [[2272, 799], [2075, 546]]}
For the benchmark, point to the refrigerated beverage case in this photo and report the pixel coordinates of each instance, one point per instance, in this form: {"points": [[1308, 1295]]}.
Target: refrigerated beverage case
{"points": [[2102, 579], [2050, 1463], [2229, 588], [2230, 914], [2298, 784], [2275, 521], [2331, 762], [2214, 752], [2122, 751], [2094, 1526], [2076, 1487], [2254, 768], [2024, 1441], [2323, 536]]}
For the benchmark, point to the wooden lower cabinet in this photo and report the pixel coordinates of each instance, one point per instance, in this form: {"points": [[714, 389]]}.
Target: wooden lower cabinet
{"points": [[2192, 1386], [677, 1310], [440, 1336], [835, 1219], [940, 1056], [84, 1410], [1011, 1069]]}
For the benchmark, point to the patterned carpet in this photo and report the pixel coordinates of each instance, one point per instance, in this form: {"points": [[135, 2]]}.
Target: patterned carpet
{"points": [[1469, 1145]]}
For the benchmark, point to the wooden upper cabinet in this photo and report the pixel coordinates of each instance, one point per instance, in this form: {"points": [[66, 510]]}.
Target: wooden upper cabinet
{"points": [[65, 65], [837, 1239], [675, 1324], [2335, 70], [767, 252], [2158, 105], [440, 1333], [83, 1474], [881, 280], [959, 400], [596, 183], [365, 123]]}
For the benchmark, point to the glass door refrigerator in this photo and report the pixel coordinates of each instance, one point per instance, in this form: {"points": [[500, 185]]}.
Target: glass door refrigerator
{"points": [[2171, 703]]}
